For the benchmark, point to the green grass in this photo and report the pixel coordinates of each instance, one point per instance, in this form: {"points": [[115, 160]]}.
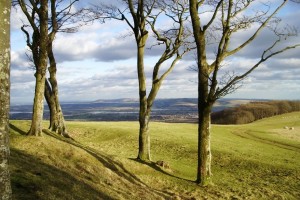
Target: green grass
{"points": [[255, 161]]}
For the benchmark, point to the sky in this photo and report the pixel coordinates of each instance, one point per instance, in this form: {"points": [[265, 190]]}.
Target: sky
{"points": [[99, 62]]}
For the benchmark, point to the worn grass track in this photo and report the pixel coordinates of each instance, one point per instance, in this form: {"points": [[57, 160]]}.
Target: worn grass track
{"points": [[254, 161]]}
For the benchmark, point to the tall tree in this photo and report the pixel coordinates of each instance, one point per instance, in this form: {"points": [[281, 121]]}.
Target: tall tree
{"points": [[227, 18], [142, 20], [5, 186], [38, 20], [60, 18]]}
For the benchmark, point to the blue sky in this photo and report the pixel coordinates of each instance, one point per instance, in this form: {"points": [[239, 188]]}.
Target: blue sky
{"points": [[98, 62]]}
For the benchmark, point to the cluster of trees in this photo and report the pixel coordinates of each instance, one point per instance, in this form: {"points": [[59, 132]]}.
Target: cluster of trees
{"points": [[253, 111], [195, 25], [45, 19]]}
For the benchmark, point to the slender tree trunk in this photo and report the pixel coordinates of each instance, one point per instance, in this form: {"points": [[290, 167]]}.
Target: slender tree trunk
{"points": [[204, 150], [144, 115], [144, 138], [50, 102], [5, 186], [204, 111], [204, 103], [57, 124], [38, 107]]}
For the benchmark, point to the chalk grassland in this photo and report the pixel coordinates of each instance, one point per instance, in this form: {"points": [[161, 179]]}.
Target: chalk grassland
{"points": [[255, 161]]}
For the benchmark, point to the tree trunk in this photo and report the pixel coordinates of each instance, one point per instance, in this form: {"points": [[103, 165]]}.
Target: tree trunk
{"points": [[204, 110], [204, 101], [144, 138], [38, 104], [204, 150], [144, 115], [50, 102], [57, 121], [5, 186]]}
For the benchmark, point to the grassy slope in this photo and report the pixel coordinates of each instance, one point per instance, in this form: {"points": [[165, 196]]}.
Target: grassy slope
{"points": [[254, 161]]}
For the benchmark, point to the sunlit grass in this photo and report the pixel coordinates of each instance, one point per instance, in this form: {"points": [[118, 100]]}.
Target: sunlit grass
{"points": [[249, 162]]}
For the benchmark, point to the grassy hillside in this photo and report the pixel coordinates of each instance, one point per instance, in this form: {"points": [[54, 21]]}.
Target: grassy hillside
{"points": [[255, 161]]}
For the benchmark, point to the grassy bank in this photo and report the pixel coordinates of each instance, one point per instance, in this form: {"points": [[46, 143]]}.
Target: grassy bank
{"points": [[255, 161]]}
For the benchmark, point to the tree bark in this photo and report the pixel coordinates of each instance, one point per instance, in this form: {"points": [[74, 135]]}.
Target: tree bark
{"points": [[57, 121], [204, 102], [38, 107], [5, 186], [144, 138], [50, 102], [204, 111], [144, 115], [204, 150]]}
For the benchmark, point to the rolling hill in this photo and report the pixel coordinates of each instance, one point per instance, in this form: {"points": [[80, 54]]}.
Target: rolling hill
{"points": [[254, 161]]}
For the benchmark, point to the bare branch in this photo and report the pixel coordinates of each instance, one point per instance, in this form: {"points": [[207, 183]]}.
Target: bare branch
{"points": [[28, 42], [214, 16], [26, 12], [256, 32], [172, 38], [233, 81]]}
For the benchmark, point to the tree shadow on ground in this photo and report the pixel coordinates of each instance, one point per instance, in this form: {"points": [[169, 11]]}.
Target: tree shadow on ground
{"points": [[33, 179], [154, 166], [115, 166], [13, 127]]}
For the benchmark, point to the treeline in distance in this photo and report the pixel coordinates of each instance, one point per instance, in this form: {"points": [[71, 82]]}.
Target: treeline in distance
{"points": [[253, 111]]}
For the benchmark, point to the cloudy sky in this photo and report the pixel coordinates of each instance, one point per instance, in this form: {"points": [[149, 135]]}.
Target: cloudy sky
{"points": [[99, 62]]}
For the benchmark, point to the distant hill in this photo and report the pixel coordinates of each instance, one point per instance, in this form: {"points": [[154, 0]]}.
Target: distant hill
{"points": [[166, 110]]}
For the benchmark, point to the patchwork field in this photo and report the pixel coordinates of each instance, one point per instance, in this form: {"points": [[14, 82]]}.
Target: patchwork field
{"points": [[255, 161]]}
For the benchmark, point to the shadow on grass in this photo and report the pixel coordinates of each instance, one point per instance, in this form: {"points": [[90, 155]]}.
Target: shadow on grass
{"points": [[154, 166], [33, 179], [109, 163], [116, 167], [13, 127]]}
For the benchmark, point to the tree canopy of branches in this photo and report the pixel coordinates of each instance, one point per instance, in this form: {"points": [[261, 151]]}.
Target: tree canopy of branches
{"points": [[5, 186], [142, 16], [227, 17]]}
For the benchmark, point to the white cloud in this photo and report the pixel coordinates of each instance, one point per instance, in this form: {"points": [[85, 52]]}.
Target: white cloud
{"points": [[98, 62], [17, 18], [274, 89]]}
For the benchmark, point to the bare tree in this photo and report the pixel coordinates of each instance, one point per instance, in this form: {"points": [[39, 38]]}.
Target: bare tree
{"points": [[227, 17], [60, 18], [37, 15], [142, 20], [5, 186]]}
